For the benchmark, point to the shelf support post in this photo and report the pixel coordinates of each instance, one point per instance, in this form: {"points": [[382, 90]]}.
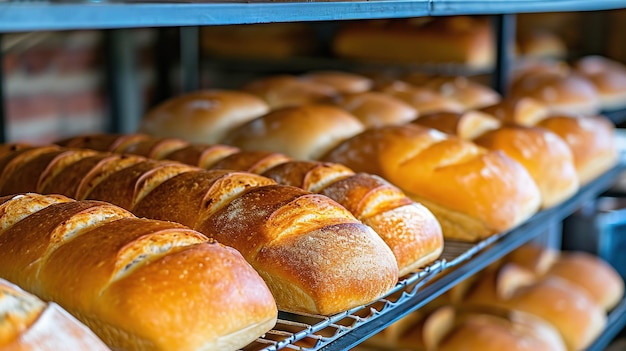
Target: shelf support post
{"points": [[190, 58], [3, 98], [123, 82], [504, 29]]}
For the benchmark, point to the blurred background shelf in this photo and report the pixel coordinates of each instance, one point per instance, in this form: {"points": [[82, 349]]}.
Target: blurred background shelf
{"points": [[18, 16]]}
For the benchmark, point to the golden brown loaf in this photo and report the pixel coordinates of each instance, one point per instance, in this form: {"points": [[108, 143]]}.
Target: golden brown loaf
{"points": [[562, 93], [473, 192], [202, 116], [546, 157], [424, 100], [271, 225], [565, 305], [408, 228], [286, 90], [377, 109], [459, 39], [304, 132], [470, 94], [276, 40], [609, 78], [599, 279], [525, 111], [485, 329], [139, 284], [343, 82], [29, 324], [467, 126], [541, 45], [411, 231], [591, 140]]}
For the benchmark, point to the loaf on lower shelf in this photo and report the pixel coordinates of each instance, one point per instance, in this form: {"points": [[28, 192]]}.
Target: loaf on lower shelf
{"points": [[314, 255], [532, 299], [410, 230], [139, 284], [30, 324]]}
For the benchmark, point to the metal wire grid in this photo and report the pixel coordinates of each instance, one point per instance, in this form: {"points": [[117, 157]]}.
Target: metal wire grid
{"points": [[311, 332]]}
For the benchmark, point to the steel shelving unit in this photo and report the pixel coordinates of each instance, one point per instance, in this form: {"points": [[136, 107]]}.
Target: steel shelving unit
{"points": [[459, 261]]}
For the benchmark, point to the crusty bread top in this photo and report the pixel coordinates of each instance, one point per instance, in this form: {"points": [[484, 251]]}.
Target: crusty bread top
{"points": [[285, 90], [424, 100], [569, 94], [202, 116], [375, 109], [445, 169], [343, 82], [304, 133]]}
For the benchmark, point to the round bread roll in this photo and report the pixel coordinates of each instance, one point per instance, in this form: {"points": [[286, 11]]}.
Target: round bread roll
{"points": [[467, 126], [376, 109], [286, 90], [202, 116], [303, 133], [609, 78], [470, 94], [472, 191], [565, 305], [525, 111], [542, 45], [343, 82], [591, 140], [595, 276], [450, 329], [566, 94], [547, 158], [424, 100], [29, 324]]}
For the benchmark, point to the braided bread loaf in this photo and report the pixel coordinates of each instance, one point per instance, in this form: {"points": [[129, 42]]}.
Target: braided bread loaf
{"points": [[410, 230], [139, 284], [313, 254]]}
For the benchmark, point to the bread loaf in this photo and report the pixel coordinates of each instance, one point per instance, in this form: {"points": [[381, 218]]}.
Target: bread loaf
{"points": [[484, 329], [470, 94], [424, 100], [525, 111], [473, 192], [547, 158], [591, 140], [304, 133], [377, 109], [139, 284], [566, 306], [456, 39], [286, 90], [562, 93], [608, 77], [276, 219], [408, 228], [342, 82], [202, 116], [598, 278], [29, 324]]}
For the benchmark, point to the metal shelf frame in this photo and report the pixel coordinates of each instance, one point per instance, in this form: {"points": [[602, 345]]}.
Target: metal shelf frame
{"points": [[18, 16], [460, 260]]}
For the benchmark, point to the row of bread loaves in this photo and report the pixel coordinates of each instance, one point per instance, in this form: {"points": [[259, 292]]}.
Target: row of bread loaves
{"points": [[314, 255], [139, 284]]}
